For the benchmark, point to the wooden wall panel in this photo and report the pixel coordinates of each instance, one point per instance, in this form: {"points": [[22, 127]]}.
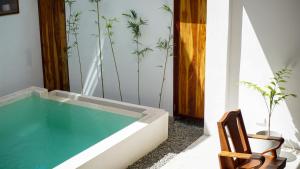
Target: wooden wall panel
{"points": [[189, 60], [54, 44]]}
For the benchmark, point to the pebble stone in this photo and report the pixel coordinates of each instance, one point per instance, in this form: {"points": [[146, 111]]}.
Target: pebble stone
{"points": [[182, 133]]}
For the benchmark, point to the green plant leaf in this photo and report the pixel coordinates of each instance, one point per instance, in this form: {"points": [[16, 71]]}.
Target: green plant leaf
{"points": [[282, 88], [167, 8]]}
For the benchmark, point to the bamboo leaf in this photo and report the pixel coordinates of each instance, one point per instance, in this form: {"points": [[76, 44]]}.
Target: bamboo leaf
{"points": [[127, 15], [167, 8], [273, 83], [282, 88], [282, 81]]}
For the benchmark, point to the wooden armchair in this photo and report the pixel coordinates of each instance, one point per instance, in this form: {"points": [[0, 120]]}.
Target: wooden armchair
{"points": [[235, 148]]}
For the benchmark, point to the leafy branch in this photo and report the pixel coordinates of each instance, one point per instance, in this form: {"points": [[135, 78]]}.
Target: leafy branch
{"points": [[166, 46], [274, 92], [73, 29], [135, 24], [69, 4], [109, 32]]}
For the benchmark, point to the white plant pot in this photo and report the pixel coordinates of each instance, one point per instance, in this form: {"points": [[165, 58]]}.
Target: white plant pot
{"points": [[259, 146]]}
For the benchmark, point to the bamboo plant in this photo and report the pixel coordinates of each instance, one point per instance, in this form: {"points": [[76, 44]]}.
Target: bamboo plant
{"points": [[109, 32], [274, 92], [166, 46], [135, 24], [97, 11], [69, 4], [73, 29]]}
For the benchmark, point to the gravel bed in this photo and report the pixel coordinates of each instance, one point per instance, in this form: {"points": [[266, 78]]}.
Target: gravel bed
{"points": [[182, 133]]}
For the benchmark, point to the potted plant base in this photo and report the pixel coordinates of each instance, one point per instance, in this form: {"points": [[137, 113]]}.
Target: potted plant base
{"points": [[259, 146]]}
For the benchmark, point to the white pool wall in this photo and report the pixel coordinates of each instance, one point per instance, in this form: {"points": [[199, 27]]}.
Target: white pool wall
{"points": [[132, 148]]}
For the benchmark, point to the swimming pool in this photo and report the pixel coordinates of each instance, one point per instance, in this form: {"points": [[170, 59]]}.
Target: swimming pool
{"points": [[66, 130]]}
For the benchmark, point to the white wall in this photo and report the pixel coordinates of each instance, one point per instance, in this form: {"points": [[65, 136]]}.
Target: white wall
{"points": [[263, 38], [20, 50], [216, 63], [270, 41], [151, 75]]}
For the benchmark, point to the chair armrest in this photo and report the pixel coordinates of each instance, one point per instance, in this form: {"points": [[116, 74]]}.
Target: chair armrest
{"points": [[242, 155], [271, 138], [245, 156], [265, 137]]}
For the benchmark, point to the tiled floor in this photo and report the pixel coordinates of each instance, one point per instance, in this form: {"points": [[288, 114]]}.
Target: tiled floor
{"points": [[203, 154], [182, 133]]}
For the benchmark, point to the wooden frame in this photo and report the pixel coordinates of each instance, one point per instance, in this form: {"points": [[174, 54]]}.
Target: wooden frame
{"points": [[8, 7], [176, 29], [189, 86], [54, 44]]}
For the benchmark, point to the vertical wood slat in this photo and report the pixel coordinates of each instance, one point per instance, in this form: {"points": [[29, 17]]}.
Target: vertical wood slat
{"points": [[189, 60], [54, 44]]}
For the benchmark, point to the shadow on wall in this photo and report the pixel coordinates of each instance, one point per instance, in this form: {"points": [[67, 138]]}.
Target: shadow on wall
{"points": [[276, 24], [93, 77]]}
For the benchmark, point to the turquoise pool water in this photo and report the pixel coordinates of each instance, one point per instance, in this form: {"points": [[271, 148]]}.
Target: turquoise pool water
{"points": [[37, 133]]}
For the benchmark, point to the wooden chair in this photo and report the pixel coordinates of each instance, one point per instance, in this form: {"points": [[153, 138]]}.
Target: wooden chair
{"points": [[237, 154]]}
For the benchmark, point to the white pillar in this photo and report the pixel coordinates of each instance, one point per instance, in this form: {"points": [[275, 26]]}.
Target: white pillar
{"points": [[224, 34]]}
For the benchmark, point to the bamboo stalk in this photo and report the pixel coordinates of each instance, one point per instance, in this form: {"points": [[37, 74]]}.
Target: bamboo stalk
{"points": [[163, 80], [138, 69], [135, 23], [73, 26], [109, 33], [167, 48], [69, 22], [79, 62], [100, 47]]}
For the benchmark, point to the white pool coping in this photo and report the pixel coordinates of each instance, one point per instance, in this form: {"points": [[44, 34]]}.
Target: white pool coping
{"points": [[121, 148]]}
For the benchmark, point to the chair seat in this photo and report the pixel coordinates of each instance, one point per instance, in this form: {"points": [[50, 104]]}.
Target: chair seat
{"points": [[270, 163]]}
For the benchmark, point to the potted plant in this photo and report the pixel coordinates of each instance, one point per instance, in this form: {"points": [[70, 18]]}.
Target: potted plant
{"points": [[273, 94]]}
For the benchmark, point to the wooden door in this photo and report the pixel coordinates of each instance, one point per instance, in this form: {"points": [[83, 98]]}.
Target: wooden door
{"points": [[189, 57], [54, 44]]}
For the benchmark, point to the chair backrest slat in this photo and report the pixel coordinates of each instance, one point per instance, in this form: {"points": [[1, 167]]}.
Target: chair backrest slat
{"points": [[231, 128]]}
